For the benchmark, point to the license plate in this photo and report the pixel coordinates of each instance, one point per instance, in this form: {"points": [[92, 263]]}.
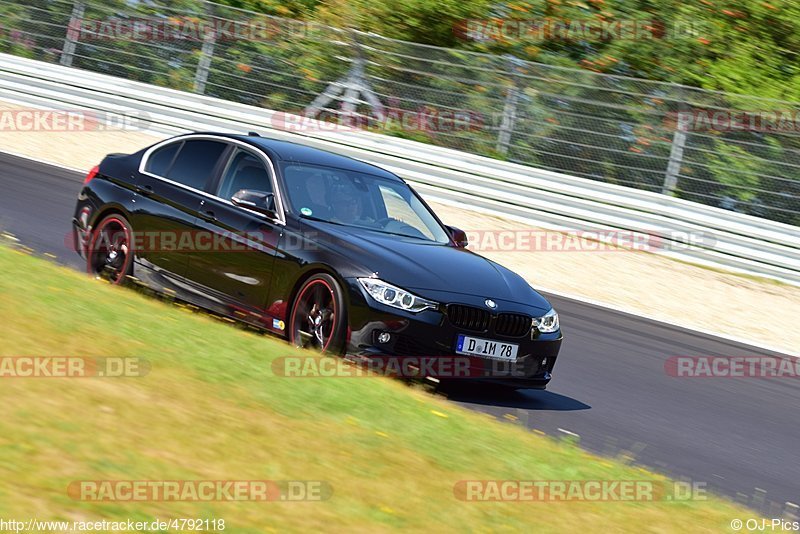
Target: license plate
{"points": [[487, 348]]}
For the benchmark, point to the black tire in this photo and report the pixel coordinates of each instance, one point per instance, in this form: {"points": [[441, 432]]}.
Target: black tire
{"points": [[109, 254], [318, 319]]}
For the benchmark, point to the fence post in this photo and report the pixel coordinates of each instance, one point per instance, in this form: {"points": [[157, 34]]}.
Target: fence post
{"points": [[509, 109], [676, 152], [73, 33], [206, 54]]}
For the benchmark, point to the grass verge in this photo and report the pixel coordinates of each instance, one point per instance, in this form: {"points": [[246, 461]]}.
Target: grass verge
{"points": [[211, 409]]}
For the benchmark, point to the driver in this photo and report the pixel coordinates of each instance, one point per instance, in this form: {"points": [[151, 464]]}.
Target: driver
{"points": [[315, 186], [346, 209]]}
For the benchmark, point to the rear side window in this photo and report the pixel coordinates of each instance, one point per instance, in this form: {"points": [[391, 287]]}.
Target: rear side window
{"points": [[159, 161], [195, 162]]}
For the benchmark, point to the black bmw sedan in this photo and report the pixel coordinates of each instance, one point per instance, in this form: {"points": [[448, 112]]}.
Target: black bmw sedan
{"points": [[334, 254]]}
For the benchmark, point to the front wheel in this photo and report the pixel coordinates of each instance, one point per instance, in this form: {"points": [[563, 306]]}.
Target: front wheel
{"points": [[318, 319], [109, 254]]}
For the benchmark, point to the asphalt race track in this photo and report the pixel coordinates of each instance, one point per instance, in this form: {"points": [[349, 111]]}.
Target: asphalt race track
{"points": [[739, 436]]}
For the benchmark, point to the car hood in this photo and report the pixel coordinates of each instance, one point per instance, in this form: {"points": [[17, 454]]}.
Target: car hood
{"points": [[429, 269]]}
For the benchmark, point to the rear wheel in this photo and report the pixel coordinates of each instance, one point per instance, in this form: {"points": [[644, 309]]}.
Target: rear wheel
{"points": [[318, 318], [110, 255]]}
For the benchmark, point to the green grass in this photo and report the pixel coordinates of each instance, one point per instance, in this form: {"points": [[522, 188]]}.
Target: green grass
{"points": [[211, 408]]}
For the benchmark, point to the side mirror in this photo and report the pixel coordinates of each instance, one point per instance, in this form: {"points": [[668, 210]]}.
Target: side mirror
{"points": [[459, 236], [259, 201]]}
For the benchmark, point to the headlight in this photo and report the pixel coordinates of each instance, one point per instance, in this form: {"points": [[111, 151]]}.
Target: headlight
{"points": [[547, 323], [394, 296]]}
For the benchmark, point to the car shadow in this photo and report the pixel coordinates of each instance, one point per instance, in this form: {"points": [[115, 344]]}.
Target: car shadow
{"points": [[528, 399]]}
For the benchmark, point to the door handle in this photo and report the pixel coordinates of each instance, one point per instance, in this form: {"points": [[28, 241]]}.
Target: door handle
{"points": [[209, 215], [144, 189]]}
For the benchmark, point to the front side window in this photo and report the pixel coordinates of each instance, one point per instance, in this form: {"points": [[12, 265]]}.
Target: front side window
{"points": [[195, 162], [245, 171]]}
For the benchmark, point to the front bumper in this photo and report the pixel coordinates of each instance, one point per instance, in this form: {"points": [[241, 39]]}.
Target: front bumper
{"points": [[424, 344]]}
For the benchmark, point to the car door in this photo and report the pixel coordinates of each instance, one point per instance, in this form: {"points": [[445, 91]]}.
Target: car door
{"points": [[238, 256], [170, 186]]}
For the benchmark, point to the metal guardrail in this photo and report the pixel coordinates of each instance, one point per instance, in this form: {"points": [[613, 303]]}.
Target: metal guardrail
{"points": [[543, 198]]}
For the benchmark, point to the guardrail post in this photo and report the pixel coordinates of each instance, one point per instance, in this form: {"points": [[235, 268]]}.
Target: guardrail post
{"points": [[206, 54], [676, 152], [509, 109], [73, 34]]}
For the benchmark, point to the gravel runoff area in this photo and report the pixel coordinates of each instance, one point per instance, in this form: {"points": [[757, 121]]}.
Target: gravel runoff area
{"points": [[760, 311]]}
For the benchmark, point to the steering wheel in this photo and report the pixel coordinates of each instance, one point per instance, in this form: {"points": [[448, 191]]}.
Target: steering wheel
{"points": [[385, 221], [399, 227]]}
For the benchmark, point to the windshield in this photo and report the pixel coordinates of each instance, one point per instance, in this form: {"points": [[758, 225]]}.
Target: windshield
{"points": [[360, 200]]}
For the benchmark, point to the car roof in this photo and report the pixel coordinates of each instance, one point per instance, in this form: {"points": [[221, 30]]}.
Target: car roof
{"points": [[295, 152]]}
